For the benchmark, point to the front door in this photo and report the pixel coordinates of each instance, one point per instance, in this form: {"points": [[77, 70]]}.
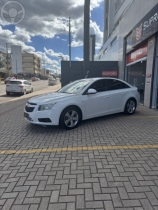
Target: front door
{"points": [[96, 104]]}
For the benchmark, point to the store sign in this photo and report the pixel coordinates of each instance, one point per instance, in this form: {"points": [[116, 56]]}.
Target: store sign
{"points": [[109, 73], [138, 54], [146, 27]]}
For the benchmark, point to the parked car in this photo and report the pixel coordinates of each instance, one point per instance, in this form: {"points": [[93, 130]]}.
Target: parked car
{"points": [[8, 79], [33, 79], [19, 86], [81, 100], [51, 81], [37, 79]]}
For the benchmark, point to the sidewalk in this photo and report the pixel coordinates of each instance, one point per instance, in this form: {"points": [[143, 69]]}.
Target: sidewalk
{"points": [[48, 89]]}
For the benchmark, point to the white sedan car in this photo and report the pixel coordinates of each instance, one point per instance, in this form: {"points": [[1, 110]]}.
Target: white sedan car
{"points": [[19, 86], [81, 100]]}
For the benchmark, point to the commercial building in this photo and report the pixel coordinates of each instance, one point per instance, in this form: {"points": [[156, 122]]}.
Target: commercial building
{"points": [[131, 38], [31, 63]]}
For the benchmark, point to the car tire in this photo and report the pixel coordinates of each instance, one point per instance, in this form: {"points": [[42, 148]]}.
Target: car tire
{"points": [[70, 117], [8, 93], [130, 107], [24, 93], [32, 90]]}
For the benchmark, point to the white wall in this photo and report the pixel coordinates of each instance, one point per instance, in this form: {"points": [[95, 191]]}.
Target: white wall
{"points": [[16, 59]]}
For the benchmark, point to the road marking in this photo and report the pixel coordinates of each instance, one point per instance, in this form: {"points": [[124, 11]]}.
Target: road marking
{"points": [[71, 149]]}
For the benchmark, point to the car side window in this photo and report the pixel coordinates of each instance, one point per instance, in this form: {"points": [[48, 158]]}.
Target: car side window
{"points": [[99, 85], [26, 83], [113, 84]]}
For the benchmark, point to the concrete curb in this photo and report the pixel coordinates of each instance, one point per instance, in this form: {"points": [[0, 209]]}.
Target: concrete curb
{"points": [[36, 93]]}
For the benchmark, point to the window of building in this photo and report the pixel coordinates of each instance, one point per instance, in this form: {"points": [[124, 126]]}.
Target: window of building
{"points": [[118, 4], [114, 41]]}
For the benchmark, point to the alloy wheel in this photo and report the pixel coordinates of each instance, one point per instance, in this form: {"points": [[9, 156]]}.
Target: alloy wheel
{"points": [[131, 106], [71, 118]]}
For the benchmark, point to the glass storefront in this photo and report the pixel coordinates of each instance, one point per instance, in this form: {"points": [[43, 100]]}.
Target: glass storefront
{"points": [[136, 77]]}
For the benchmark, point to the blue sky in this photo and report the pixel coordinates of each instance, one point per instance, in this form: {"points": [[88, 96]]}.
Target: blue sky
{"points": [[47, 38]]}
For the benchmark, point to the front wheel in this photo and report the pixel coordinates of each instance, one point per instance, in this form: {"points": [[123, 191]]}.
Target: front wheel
{"points": [[70, 118], [130, 107]]}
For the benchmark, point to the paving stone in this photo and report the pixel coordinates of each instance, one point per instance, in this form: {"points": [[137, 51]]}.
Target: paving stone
{"points": [[94, 204], [58, 206], [20, 207], [8, 204], [44, 203], [66, 199], [54, 197], [70, 206], [20, 198], [80, 202]]}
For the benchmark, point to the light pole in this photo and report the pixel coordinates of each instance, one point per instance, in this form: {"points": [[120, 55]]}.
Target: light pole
{"points": [[70, 40]]}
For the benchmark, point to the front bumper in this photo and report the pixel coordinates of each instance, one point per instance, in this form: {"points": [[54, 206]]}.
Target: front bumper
{"points": [[33, 117]]}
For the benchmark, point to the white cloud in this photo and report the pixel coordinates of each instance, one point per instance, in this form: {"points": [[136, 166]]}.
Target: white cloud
{"points": [[78, 59], [56, 55]]}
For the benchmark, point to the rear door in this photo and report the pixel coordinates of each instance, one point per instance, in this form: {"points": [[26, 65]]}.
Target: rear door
{"points": [[118, 94], [27, 86]]}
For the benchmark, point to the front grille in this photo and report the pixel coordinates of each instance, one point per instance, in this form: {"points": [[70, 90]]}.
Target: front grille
{"points": [[29, 109]]}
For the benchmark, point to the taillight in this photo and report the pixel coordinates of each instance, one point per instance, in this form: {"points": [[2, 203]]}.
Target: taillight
{"points": [[21, 86]]}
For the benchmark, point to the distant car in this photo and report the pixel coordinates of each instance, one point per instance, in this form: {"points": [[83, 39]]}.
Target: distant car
{"points": [[8, 79], [37, 79], [19, 86], [33, 79], [51, 81], [81, 100]]}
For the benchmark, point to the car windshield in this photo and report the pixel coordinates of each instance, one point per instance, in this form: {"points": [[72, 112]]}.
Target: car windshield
{"points": [[15, 82], [74, 87]]}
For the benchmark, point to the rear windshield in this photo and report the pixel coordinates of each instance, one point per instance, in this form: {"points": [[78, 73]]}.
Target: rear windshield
{"points": [[15, 82]]}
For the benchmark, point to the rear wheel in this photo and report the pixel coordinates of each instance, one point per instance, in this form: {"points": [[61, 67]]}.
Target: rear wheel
{"points": [[130, 107], [24, 93], [70, 118]]}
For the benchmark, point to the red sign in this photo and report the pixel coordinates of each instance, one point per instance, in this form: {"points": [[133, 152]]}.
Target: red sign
{"points": [[148, 75], [138, 54], [109, 73]]}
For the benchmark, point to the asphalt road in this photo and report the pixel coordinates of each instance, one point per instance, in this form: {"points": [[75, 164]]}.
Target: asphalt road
{"points": [[39, 85]]}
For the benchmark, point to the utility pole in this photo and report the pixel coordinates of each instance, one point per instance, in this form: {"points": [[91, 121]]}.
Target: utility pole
{"points": [[16, 70], [7, 58], [70, 40]]}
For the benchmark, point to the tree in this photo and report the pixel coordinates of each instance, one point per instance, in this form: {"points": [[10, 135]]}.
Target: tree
{"points": [[1, 64]]}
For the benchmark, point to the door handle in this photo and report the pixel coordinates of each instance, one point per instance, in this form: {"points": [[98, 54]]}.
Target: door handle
{"points": [[106, 96], [123, 93]]}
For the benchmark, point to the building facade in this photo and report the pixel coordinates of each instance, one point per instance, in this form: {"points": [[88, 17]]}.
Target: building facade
{"points": [[31, 64], [131, 38]]}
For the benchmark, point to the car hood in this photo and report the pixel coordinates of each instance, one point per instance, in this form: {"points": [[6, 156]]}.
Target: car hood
{"points": [[50, 98]]}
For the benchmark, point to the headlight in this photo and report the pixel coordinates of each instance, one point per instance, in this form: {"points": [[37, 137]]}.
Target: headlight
{"points": [[46, 106]]}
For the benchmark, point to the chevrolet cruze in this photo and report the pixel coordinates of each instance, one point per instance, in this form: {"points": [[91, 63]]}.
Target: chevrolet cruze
{"points": [[81, 100]]}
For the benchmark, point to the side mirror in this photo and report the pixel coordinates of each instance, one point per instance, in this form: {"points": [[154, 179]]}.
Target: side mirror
{"points": [[91, 91]]}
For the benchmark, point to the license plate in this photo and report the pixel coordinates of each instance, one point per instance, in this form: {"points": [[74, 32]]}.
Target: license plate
{"points": [[26, 115]]}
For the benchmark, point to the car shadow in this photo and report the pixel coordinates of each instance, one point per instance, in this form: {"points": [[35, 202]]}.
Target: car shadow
{"points": [[39, 129]]}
